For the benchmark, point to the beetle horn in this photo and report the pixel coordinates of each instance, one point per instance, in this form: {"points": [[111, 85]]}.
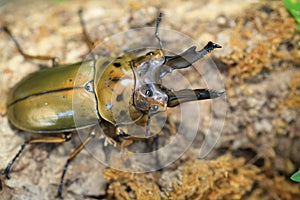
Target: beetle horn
{"points": [[187, 58], [186, 95]]}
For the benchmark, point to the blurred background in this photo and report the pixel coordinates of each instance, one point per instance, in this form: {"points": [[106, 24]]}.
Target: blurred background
{"points": [[259, 146]]}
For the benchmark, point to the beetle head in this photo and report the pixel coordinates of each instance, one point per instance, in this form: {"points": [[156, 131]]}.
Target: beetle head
{"points": [[148, 96]]}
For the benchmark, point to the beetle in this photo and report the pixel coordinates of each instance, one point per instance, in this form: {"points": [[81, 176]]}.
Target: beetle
{"points": [[123, 90]]}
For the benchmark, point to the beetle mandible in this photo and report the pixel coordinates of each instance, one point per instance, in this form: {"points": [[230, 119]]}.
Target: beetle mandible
{"points": [[40, 105]]}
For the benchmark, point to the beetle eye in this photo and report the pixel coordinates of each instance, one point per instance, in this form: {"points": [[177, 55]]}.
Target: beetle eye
{"points": [[154, 108], [150, 53], [148, 93]]}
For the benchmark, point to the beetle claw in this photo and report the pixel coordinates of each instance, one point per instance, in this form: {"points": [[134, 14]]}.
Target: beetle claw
{"points": [[6, 172], [211, 46], [122, 134], [58, 195], [215, 94]]}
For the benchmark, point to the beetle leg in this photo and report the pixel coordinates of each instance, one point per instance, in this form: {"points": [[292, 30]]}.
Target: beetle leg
{"points": [[64, 138], [90, 43], [121, 133], [55, 60], [70, 158], [127, 136], [187, 58], [186, 95], [148, 133]]}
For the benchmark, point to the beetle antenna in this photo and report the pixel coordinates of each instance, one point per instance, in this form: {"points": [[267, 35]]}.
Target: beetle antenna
{"points": [[156, 29], [55, 60]]}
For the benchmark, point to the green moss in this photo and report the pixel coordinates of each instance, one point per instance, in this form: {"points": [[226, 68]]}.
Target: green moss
{"points": [[294, 7]]}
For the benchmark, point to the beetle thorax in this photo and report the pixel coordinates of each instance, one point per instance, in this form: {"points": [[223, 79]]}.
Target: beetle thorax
{"points": [[114, 85], [128, 88]]}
